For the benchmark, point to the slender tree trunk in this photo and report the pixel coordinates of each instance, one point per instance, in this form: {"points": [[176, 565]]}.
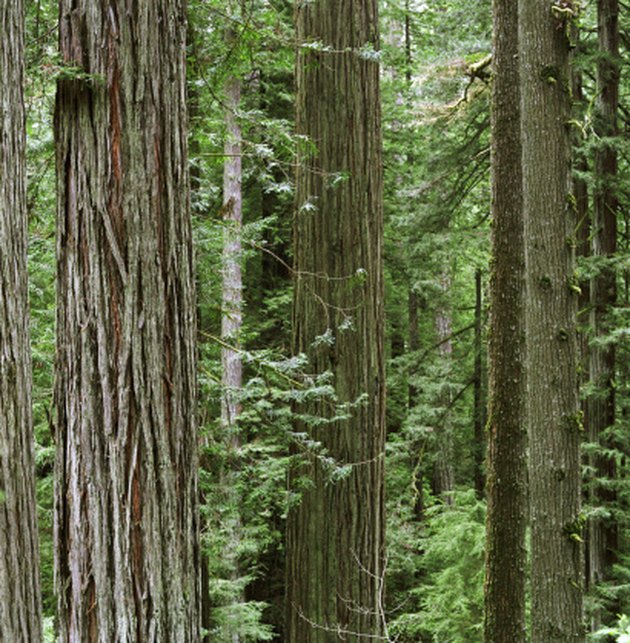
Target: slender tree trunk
{"points": [[583, 240], [479, 405], [550, 312], [335, 535], [603, 536], [414, 303], [20, 600], [126, 525], [231, 320], [507, 432], [194, 149], [443, 474], [417, 447]]}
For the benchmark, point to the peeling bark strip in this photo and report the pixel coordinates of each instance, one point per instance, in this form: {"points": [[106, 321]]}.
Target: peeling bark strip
{"points": [[550, 315], [335, 536], [20, 612], [126, 527]]}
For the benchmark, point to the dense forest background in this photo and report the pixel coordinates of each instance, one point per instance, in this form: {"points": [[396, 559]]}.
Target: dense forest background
{"points": [[436, 75]]}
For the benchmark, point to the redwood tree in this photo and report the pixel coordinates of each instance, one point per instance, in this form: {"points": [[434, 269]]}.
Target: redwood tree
{"points": [[550, 313], [126, 527], [20, 610], [335, 534], [507, 431]]}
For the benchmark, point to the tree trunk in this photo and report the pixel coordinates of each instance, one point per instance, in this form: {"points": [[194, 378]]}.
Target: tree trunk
{"points": [[602, 534], [126, 525], [507, 434], [413, 303], [231, 319], [479, 419], [335, 535], [443, 474], [550, 313], [582, 242], [194, 149], [20, 600], [416, 454]]}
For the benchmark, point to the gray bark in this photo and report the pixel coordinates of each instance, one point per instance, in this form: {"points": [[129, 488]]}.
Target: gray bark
{"points": [[550, 313], [20, 609], [126, 525], [231, 319], [443, 474]]}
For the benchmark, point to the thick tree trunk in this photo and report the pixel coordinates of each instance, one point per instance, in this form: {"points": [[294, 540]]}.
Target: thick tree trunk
{"points": [[335, 535], [507, 432], [20, 601], [602, 535], [126, 526], [550, 312]]}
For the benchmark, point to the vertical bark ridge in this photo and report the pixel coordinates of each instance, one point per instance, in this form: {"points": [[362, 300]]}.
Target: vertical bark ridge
{"points": [[552, 392], [126, 491], [335, 536], [20, 600]]}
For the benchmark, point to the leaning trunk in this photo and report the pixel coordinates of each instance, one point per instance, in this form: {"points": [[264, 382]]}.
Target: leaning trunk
{"points": [[126, 526]]}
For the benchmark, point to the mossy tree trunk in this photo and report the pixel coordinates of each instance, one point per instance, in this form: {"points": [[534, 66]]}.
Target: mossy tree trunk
{"points": [[20, 609], [507, 431], [126, 525], [550, 313], [335, 536]]}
